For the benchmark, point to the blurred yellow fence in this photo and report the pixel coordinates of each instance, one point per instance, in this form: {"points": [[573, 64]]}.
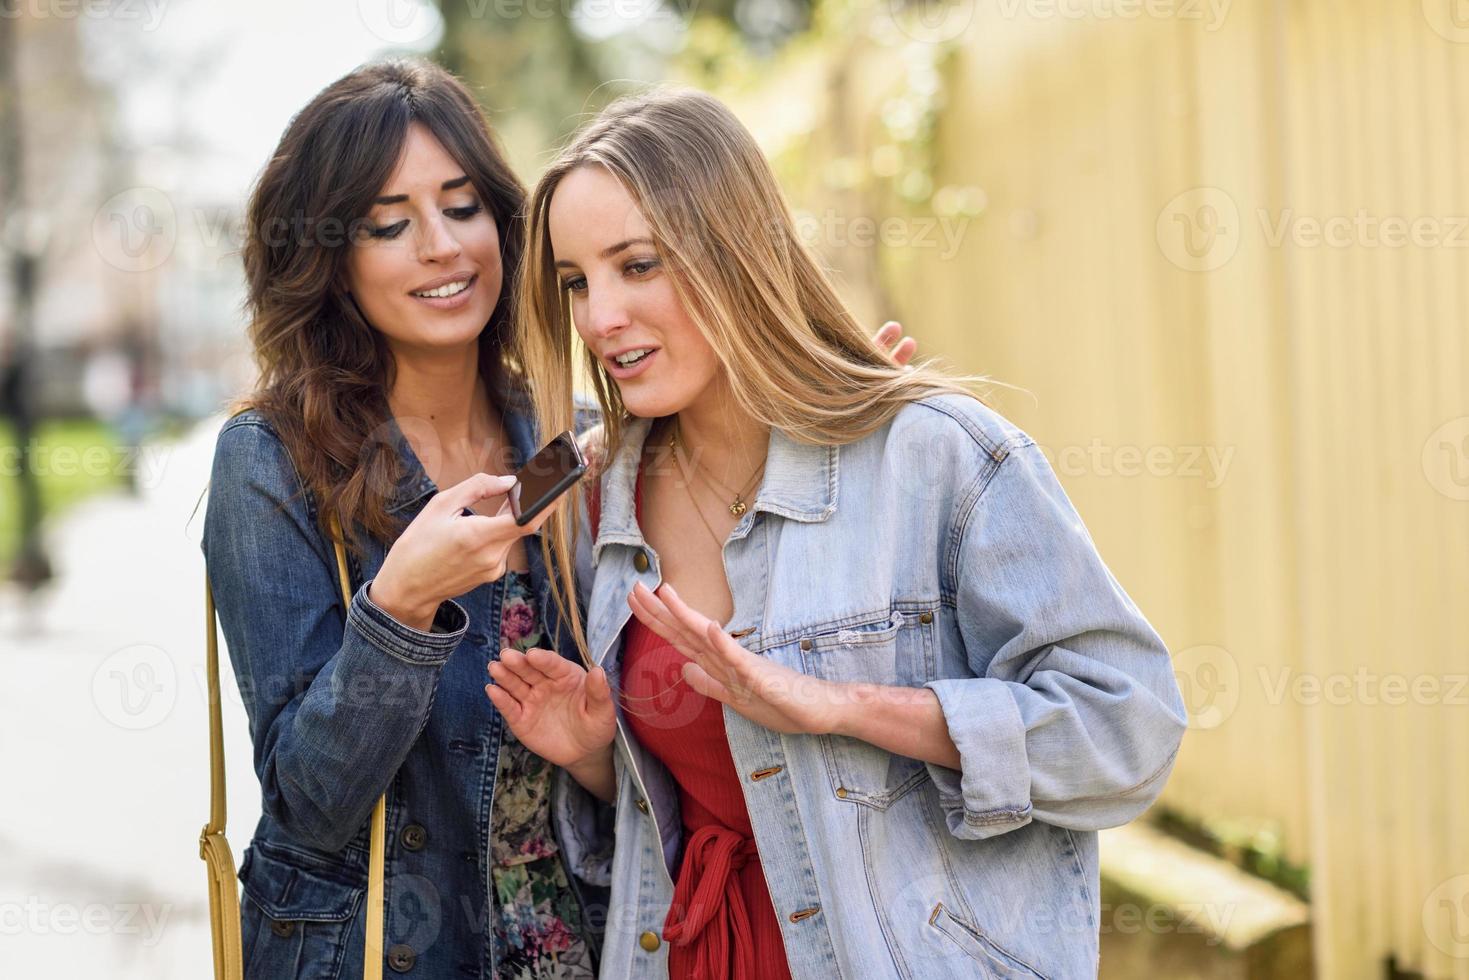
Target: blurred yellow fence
{"points": [[1225, 247]]}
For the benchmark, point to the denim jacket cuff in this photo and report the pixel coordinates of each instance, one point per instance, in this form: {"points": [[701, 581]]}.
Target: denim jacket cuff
{"points": [[992, 794], [405, 642]]}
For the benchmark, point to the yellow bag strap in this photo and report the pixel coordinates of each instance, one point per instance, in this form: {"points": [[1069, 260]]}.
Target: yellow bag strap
{"points": [[214, 848], [217, 813], [372, 961]]}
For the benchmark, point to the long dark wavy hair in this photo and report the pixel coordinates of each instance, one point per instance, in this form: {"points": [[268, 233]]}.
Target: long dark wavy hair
{"points": [[325, 372]]}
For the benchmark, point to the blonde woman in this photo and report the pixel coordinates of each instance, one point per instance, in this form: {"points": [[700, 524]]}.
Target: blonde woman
{"points": [[862, 689]]}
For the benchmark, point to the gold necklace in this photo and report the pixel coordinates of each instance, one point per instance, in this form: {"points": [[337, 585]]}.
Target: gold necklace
{"points": [[738, 506], [688, 487]]}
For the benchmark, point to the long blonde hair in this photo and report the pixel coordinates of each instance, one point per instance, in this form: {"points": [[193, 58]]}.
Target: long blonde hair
{"points": [[795, 357]]}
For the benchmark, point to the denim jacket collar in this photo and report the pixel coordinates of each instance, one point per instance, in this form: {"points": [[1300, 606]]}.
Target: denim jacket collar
{"points": [[800, 483], [414, 484]]}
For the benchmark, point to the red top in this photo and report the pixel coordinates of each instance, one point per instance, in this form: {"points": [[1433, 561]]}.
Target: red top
{"points": [[721, 924]]}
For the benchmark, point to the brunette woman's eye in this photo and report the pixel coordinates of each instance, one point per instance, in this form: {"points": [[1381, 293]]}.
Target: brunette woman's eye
{"points": [[465, 213], [389, 231]]}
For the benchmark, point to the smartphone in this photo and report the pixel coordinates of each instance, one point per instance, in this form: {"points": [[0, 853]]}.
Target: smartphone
{"points": [[547, 475]]}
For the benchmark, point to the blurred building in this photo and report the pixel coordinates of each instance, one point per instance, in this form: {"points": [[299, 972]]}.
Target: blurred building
{"points": [[128, 265]]}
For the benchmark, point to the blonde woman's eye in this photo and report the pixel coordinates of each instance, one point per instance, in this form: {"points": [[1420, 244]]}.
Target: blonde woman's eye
{"points": [[640, 267]]}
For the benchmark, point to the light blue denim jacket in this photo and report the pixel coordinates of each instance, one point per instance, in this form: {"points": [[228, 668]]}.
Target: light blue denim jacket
{"points": [[940, 551]]}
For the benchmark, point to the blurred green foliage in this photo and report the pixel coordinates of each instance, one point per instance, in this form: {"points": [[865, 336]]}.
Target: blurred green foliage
{"points": [[89, 462]]}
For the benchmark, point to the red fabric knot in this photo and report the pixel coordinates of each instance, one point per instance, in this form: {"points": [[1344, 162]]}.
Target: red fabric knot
{"points": [[709, 914]]}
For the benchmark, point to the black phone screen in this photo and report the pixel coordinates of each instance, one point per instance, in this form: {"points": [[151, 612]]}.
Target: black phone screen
{"points": [[545, 476]]}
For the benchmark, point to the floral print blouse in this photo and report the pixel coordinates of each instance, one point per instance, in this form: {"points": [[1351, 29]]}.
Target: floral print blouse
{"points": [[537, 920]]}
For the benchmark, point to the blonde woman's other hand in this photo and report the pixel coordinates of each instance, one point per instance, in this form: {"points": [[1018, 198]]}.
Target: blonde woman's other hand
{"points": [[899, 347]]}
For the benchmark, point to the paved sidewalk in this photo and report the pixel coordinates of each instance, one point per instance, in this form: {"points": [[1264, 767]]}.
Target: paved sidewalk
{"points": [[103, 737]]}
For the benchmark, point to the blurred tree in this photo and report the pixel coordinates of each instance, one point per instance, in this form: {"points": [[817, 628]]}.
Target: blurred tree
{"points": [[542, 67], [31, 568]]}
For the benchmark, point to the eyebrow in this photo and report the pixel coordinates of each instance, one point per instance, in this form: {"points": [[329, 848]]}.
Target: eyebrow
{"points": [[448, 185], [610, 251]]}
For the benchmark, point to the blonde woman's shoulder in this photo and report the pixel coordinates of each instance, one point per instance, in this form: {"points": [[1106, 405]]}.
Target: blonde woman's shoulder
{"points": [[956, 421]]}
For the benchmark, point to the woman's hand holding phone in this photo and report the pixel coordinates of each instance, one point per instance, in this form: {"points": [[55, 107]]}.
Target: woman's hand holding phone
{"points": [[445, 552]]}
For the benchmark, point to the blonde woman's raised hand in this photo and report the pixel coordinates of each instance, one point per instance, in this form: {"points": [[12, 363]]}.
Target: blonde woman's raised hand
{"points": [[900, 348], [760, 689], [445, 552]]}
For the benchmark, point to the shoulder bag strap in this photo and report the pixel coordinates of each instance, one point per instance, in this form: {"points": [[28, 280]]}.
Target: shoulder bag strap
{"points": [[214, 848], [372, 961]]}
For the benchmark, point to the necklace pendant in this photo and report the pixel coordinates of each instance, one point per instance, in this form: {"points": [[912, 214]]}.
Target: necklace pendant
{"points": [[738, 508]]}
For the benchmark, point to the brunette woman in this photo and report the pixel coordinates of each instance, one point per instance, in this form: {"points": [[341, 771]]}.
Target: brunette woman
{"points": [[384, 239]]}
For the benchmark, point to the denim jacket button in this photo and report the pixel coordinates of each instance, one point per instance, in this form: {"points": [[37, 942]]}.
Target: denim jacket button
{"points": [[413, 837], [650, 942], [401, 958], [282, 929], [640, 561], [925, 618]]}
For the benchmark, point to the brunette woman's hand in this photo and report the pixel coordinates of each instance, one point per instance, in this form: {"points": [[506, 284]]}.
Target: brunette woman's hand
{"points": [[767, 693], [445, 552], [901, 349], [559, 711]]}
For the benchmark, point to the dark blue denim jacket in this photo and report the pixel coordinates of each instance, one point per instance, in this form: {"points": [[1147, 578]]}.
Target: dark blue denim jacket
{"points": [[345, 705]]}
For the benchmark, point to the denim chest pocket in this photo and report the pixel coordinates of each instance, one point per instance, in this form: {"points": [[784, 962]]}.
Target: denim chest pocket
{"points": [[893, 649], [295, 919]]}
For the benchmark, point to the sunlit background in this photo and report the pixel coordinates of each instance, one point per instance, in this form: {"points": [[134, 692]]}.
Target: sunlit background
{"points": [[1218, 248]]}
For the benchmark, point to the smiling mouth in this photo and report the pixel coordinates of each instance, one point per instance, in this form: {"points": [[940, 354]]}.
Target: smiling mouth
{"points": [[632, 357], [446, 290]]}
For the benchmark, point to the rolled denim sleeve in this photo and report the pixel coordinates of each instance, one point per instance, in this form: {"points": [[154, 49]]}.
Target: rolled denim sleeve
{"points": [[1072, 715], [335, 701]]}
